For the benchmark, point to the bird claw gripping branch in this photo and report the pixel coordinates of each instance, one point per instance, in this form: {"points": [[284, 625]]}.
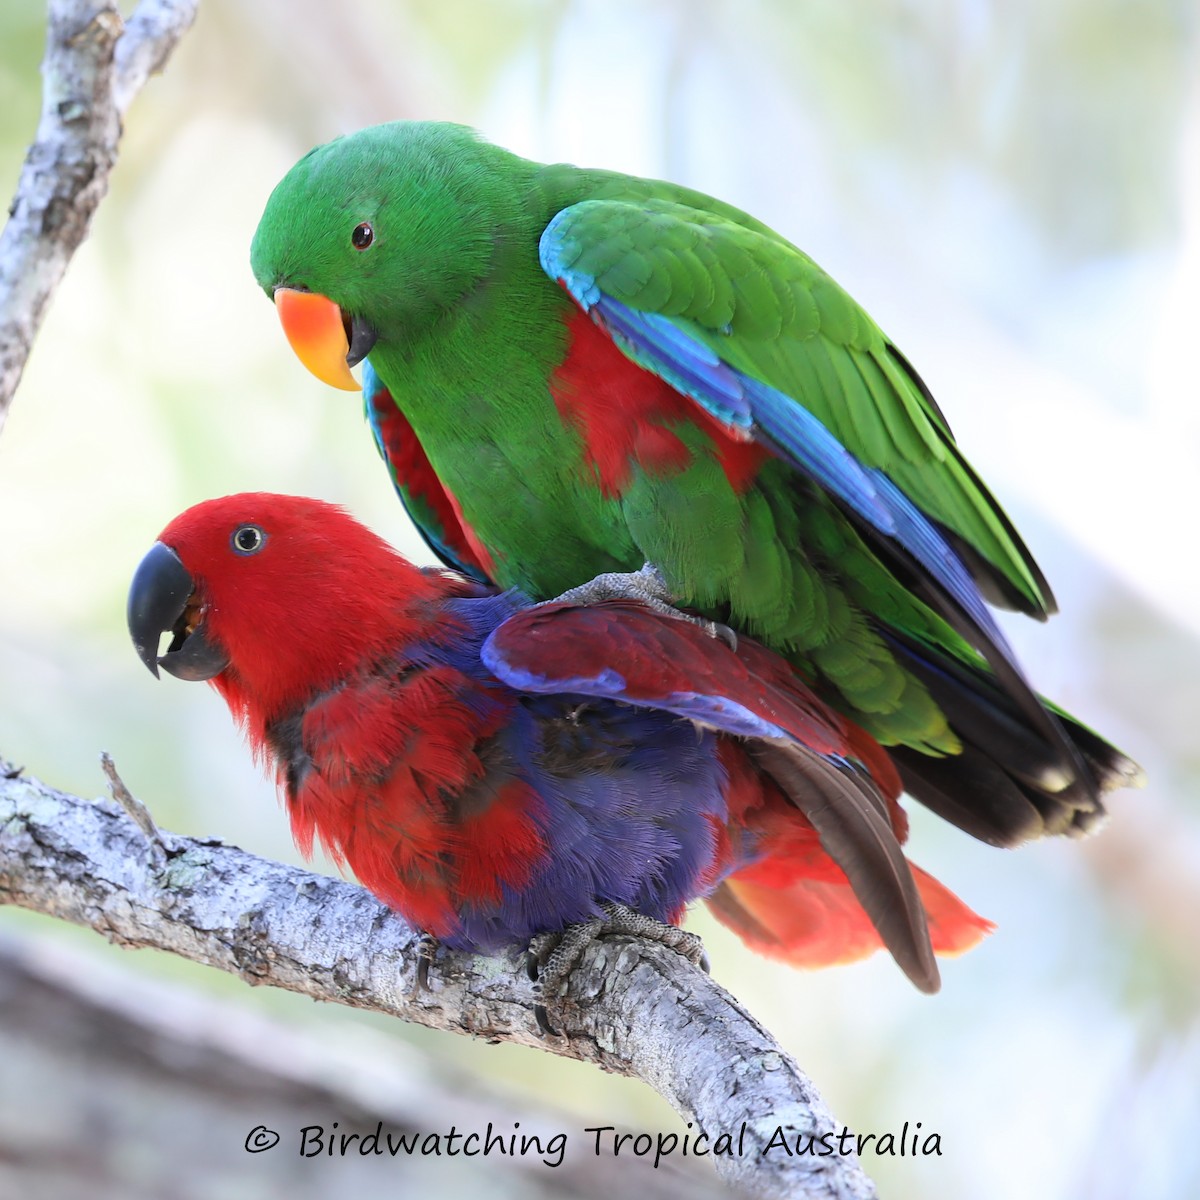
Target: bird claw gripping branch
{"points": [[553, 956]]}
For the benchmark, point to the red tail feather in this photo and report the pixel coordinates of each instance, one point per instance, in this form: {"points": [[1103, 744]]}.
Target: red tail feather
{"points": [[818, 922]]}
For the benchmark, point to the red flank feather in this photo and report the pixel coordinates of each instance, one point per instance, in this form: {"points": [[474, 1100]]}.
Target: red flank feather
{"points": [[627, 416]]}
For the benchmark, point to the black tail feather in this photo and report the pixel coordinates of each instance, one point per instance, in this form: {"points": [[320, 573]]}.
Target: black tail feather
{"points": [[971, 791], [1008, 784]]}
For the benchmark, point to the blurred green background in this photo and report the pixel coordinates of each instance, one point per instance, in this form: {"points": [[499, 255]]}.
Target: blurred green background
{"points": [[1013, 191]]}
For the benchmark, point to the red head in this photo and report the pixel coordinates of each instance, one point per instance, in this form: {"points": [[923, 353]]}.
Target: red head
{"points": [[273, 598]]}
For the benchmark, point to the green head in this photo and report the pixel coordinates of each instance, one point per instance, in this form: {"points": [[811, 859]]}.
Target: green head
{"points": [[393, 225]]}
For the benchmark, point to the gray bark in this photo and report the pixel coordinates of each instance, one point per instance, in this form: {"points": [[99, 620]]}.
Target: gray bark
{"points": [[633, 1008], [93, 67]]}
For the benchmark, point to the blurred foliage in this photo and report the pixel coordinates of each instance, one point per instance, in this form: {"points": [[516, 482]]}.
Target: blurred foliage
{"points": [[1070, 107], [1005, 186]]}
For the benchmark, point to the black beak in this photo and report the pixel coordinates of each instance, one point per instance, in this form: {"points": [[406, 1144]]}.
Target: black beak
{"points": [[362, 338], [162, 599]]}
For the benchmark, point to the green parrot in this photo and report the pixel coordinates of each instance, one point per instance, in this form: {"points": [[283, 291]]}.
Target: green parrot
{"points": [[574, 372]]}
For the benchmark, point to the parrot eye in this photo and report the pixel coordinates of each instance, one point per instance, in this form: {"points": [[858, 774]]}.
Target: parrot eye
{"points": [[248, 539], [362, 236]]}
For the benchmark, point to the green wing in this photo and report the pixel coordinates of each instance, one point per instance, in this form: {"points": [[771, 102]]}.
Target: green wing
{"points": [[752, 329]]}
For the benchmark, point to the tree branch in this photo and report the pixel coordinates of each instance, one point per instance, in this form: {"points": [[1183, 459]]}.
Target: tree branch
{"points": [[632, 1008], [91, 72]]}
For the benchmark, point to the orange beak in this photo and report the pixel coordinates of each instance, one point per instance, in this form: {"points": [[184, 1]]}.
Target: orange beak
{"points": [[316, 332]]}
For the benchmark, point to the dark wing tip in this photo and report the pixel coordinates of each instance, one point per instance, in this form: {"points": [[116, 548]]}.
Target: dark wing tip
{"points": [[849, 814]]}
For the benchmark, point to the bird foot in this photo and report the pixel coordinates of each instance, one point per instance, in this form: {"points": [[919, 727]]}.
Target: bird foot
{"points": [[553, 956], [648, 587]]}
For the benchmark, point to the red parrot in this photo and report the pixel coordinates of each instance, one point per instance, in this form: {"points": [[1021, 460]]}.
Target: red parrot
{"points": [[495, 770]]}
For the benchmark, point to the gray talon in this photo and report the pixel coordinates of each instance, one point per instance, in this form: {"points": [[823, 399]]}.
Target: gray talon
{"points": [[648, 587]]}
